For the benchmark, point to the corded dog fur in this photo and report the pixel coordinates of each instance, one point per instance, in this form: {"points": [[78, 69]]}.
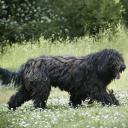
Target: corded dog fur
{"points": [[82, 77]]}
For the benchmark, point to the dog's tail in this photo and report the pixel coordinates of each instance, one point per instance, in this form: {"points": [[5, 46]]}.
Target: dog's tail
{"points": [[7, 77]]}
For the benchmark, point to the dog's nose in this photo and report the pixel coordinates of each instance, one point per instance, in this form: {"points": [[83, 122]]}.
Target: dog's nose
{"points": [[123, 67]]}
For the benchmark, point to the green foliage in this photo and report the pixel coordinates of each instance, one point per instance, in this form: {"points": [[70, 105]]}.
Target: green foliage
{"points": [[124, 4], [88, 16], [55, 19], [73, 18], [17, 20]]}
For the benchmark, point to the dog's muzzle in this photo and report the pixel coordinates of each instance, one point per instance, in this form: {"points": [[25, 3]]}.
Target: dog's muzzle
{"points": [[122, 68]]}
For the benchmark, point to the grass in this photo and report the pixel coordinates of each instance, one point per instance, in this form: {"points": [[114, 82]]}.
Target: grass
{"points": [[59, 114]]}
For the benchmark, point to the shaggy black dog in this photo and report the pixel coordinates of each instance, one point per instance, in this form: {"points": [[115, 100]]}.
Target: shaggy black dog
{"points": [[83, 77]]}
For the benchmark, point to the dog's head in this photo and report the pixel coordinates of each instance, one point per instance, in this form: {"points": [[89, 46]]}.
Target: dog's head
{"points": [[117, 66], [110, 64]]}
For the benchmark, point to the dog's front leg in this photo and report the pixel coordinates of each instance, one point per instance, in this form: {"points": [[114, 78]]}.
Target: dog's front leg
{"points": [[106, 98]]}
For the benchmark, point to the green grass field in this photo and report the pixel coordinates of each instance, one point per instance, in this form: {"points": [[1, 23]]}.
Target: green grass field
{"points": [[59, 114]]}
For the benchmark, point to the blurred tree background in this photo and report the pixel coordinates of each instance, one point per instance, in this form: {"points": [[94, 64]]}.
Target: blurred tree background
{"points": [[24, 20]]}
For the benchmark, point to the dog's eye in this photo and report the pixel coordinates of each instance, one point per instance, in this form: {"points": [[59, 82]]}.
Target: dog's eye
{"points": [[115, 65]]}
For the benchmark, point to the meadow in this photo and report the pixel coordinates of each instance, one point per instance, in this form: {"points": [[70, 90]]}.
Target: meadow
{"points": [[59, 114]]}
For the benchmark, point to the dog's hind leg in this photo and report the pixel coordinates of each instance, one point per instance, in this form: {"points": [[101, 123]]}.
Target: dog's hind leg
{"points": [[40, 94], [19, 98]]}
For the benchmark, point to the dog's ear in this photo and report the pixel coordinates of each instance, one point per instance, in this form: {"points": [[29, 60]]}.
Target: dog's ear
{"points": [[103, 64]]}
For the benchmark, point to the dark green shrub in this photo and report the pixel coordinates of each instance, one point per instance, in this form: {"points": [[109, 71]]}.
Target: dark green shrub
{"points": [[124, 4], [86, 16], [73, 18], [29, 19]]}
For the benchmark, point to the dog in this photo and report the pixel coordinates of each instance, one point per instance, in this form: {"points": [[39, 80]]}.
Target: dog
{"points": [[82, 77]]}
